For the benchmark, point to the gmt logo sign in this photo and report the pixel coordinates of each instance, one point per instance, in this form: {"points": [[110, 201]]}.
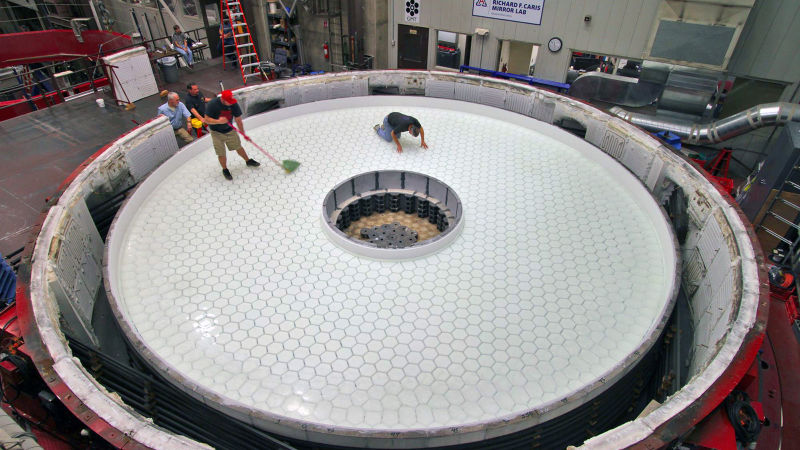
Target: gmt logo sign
{"points": [[525, 12]]}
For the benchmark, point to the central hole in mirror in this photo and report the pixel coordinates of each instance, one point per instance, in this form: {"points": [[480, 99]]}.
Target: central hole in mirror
{"points": [[392, 214]]}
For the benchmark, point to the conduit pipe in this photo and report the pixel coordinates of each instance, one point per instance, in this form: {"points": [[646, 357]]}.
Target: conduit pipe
{"points": [[766, 114]]}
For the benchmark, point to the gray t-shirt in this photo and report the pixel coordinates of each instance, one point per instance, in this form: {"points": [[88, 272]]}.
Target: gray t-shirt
{"points": [[179, 39]]}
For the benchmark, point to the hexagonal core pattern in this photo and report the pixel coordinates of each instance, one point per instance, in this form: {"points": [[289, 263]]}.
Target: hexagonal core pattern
{"points": [[557, 277]]}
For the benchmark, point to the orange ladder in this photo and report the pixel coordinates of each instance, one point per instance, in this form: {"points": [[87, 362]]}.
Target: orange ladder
{"points": [[246, 55]]}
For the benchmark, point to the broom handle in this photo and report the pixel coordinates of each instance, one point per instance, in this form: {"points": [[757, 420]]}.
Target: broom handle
{"points": [[114, 74], [256, 145]]}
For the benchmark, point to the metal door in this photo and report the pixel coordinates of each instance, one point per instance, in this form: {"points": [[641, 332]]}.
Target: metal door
{"points": [[412, 48], [209, 10]]}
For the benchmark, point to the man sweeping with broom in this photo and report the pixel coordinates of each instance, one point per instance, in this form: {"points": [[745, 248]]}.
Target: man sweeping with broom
{"points": [[219, 113]]}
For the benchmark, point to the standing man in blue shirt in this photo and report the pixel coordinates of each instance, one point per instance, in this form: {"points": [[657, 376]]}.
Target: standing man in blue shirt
{"points": [[226, 41], [178, 116]]}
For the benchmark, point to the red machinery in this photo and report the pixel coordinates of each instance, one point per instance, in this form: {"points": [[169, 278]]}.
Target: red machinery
{"points": [[717, 169]]}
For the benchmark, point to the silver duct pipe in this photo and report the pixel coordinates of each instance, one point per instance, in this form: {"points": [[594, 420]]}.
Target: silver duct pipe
{"points": [[763, 115]]}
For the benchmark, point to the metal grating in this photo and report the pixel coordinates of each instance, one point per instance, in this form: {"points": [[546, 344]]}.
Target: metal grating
{"points": [[313, 93], [291, 96], [148, 155], [80, 212], [723, 294], [719, 267], [492, 97], [699, 209], [719, 329], [360, 87], [79, 260], [543, 110], [693, 270], [710, 240], [636, 162], [655, 173], [613, 144], [441, 89], [519, 103], [69, 255], [340, 89], [77, 275], [467, 92]]}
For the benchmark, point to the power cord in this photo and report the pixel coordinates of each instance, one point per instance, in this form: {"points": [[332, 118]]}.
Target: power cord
{"points": [[743, 417], [3, 330]]}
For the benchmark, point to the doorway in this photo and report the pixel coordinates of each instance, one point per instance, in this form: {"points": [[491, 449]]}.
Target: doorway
{"points": [[209, 10], [517, 57], [412, 49]]}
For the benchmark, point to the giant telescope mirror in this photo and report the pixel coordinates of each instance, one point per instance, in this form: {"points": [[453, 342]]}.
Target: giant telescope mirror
{"points": [[560, 279]]}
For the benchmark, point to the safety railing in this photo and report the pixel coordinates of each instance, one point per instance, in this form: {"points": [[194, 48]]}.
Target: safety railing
{"points": [[533, 81], [48, 84]]}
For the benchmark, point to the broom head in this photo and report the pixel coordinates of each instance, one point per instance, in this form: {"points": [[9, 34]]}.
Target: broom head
{"points": [[290, 165]]}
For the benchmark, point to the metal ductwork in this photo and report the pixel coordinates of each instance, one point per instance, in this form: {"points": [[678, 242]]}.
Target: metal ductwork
{"points": [[767, 114], [619, 90], [682, 90]]}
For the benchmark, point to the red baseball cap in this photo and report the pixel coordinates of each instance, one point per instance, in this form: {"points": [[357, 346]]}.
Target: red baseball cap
{"points": [[227, 95]]}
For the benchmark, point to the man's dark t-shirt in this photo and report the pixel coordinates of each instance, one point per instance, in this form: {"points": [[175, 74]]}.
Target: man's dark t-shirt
{"points": [[400, 122], [215, 109], [195, 101]]}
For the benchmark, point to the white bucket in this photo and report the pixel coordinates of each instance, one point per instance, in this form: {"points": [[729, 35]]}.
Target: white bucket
{"points": [[100, 102]]}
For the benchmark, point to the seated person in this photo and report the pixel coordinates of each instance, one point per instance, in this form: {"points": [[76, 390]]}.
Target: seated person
{"points": [[181, 45], [178, 116]]}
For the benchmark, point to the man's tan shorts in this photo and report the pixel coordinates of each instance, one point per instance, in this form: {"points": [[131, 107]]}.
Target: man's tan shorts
{"points": [[220, 140]]}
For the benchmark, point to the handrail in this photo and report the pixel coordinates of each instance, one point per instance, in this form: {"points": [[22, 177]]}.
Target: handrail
{"points": [[57, 90], [533, 81]]}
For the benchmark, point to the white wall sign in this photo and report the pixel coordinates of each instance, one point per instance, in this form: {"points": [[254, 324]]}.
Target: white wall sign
{"points": [[525, 11], [412, 11]]}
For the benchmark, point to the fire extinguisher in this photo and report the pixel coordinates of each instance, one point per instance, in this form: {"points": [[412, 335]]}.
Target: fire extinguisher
{"points": [[325, 50]]}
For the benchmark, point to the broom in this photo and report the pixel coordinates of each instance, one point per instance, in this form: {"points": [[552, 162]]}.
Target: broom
{"points": [[288, 165]]}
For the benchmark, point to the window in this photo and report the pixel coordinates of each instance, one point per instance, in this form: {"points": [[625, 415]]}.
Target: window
{"points": [[189, 8], [212, 13], [452, 49], [150, 3]]}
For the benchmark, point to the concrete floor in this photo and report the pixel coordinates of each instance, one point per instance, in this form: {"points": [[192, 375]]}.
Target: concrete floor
{"points": [[42, 148]]}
